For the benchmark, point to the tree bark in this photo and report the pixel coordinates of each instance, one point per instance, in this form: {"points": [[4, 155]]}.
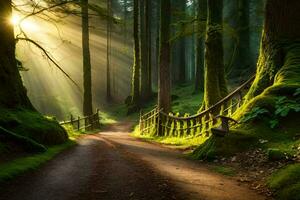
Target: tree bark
{"points": [[12, 92], [164, 90], [242, 62], [200, 45], [215, 84], [135, 85], [145, 38], [87, 73], [278, 66], [108, 52]]}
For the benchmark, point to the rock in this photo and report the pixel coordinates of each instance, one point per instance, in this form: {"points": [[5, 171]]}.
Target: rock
{"points": [[276, 155], [233, 159]]}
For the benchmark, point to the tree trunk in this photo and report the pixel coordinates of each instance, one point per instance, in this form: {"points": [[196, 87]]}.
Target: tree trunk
{"points": [[12, 92], [215, 84], [278, 68], [145, 50], [135, 85], [87, 73], [200, 45], [242, 62], [164, 90], [108, 52]]}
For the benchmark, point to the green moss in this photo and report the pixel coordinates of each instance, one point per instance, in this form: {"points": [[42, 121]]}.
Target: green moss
{"points": [[33, 125], [227, 171], [286, 182], [232, 143], [276, 154]]}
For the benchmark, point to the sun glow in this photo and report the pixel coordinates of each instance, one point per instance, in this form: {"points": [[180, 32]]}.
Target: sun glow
{"points": [[28, 25]]}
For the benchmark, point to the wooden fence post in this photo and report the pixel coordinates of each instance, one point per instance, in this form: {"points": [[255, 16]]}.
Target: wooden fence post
{"points": [[71, 120]]}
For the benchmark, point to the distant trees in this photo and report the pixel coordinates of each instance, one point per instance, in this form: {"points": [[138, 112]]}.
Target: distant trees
{"points": [[200, 44], [164, 85], [215, 84]]}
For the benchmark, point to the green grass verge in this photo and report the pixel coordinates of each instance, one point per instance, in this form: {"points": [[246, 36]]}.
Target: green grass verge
{"points": [[21, 165], [177, 142], [286, 182]]}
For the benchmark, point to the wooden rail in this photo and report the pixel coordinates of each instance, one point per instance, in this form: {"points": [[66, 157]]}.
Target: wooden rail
{"points": [[156, 122], [86, 123]]}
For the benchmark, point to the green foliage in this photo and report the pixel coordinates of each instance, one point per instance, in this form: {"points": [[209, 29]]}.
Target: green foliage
{"points": [[286, 182], [255, 113], [282, 107]]}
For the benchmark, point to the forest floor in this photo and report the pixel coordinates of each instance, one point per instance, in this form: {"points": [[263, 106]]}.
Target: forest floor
{"points": [[113, 165]]}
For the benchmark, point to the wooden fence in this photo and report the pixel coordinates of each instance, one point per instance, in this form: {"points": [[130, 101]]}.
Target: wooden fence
{"points": [[156, 122], [86, 123]]}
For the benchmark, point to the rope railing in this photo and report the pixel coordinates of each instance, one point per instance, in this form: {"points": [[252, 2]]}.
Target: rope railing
{"points": [[157, 122], [86, 123]]}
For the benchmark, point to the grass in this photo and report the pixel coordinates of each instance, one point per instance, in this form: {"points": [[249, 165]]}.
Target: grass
{"points": [[177, 142], [227, 171], [286, 182]]}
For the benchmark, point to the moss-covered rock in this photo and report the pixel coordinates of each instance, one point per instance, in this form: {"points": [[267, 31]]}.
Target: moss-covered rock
{"points": [[276, 154], [286, 182], [229, 145], [31, 124]]}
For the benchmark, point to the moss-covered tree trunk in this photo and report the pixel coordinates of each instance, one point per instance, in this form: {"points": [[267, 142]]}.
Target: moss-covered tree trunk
{"points": [[164, 85], [278, 67], [87, 68], [200, 45], [12, 91], [135, 84], [215, 84]]}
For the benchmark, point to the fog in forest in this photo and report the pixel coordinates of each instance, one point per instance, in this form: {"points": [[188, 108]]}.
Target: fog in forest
{"points": [[51, 92]]}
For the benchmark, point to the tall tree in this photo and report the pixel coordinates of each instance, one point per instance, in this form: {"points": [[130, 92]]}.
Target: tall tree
{"points": [[181, 47], [135, 84], [12, 92], [87, 68], [215, 84], [200, 45], [242, 61], [146, 89], [108, 51], [278, 68], [164, 85]]}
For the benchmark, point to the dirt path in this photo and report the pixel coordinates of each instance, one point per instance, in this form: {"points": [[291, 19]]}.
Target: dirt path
{"points": [[114, 166]]}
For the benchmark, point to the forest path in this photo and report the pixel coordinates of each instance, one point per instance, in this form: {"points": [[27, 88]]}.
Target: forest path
{"points": [[112, 165]]}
